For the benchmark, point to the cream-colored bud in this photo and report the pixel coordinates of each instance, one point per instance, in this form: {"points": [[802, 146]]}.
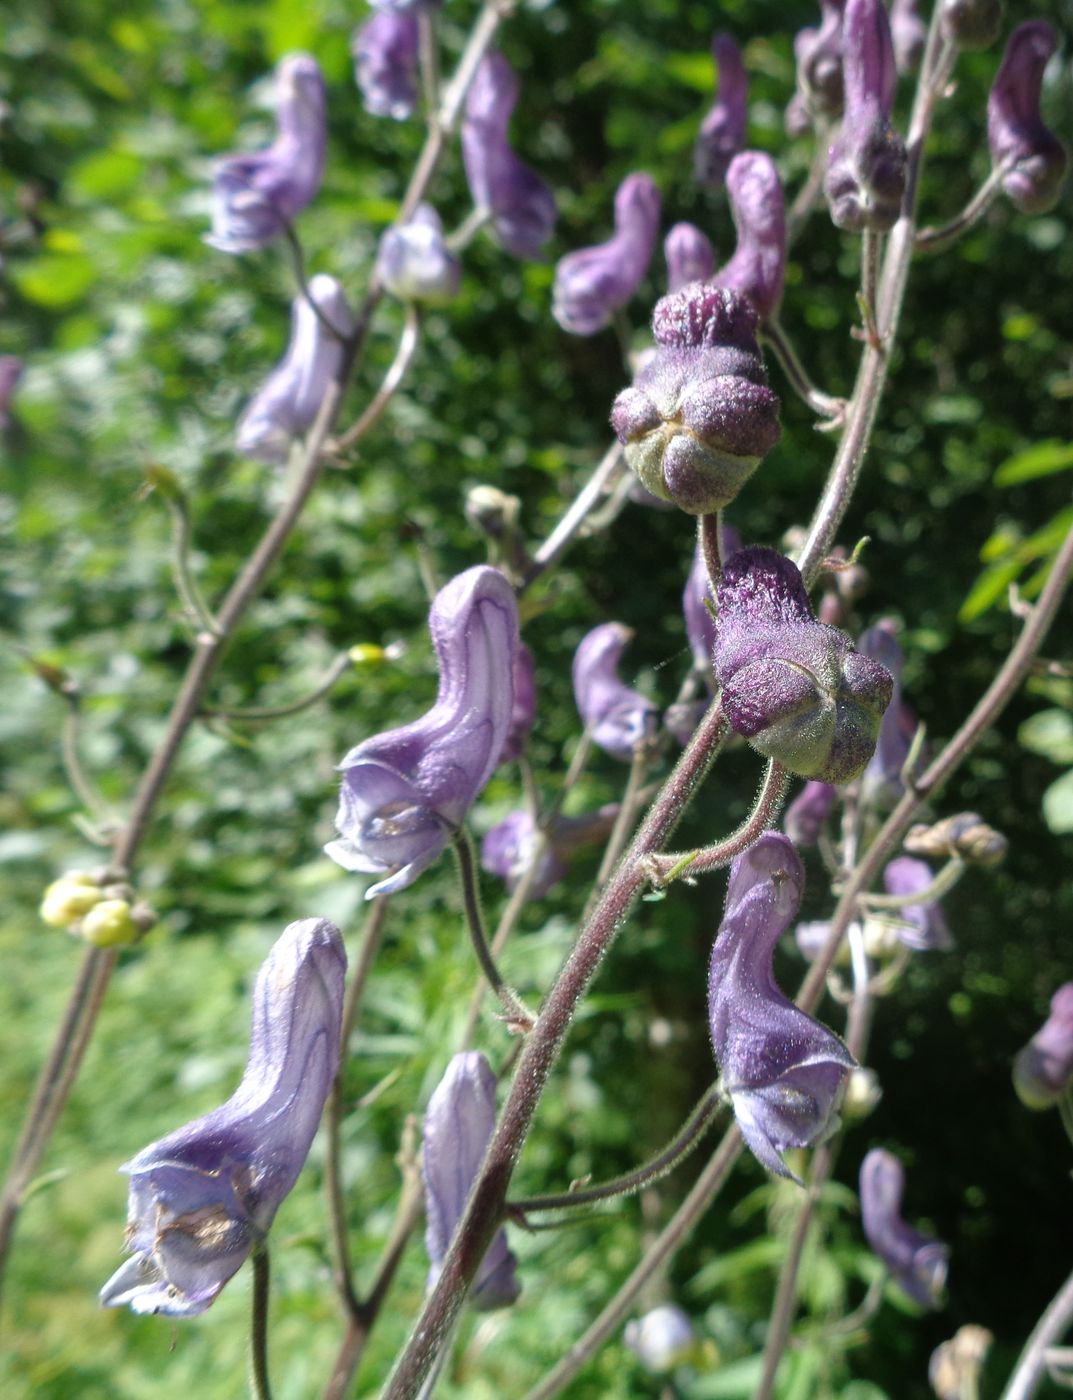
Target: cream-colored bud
{"points": [[109, 924], [69, 898], [863, 1092]]}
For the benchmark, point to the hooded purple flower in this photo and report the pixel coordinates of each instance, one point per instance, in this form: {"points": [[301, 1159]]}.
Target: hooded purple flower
{"points": [[619, 718], [927, 929], [970, 24], [287, 403], [1043, 1070], [1035, 158], [591, 284], [385, 64], [415, 263], [406, 792], [758, 267], [781, 1069], [256, 195], [882, 783], [794, 687], [818, 53], [203, 1197], [521, 206], [689, 254], [909, 34], [917, 1262], [699, 418], [507, 849], [807, 814], [523, 712], [722, 132], [459, 1122], [866, 164]]}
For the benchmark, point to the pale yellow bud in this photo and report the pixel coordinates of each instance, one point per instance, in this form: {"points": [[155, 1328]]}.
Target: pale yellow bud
{"points": [[862, 1093], [69, 898], [109, 924]]}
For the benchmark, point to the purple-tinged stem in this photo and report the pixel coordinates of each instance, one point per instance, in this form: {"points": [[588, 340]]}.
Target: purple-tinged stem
{"points": [[1051, 1328], [586, 501]]}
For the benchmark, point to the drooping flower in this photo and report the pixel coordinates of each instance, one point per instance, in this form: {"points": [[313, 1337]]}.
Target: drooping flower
{"points": [[385, 64], [414, 262], [287, 403], [405, 792], [882, 784], [758, 267], [1043, 1070], [508, 847], [781, 1069], [662, 1340], [924, 926], [917, 1262], [459, 1122], [256, 194], [807, 814], [202, 1198], [722, 132], [970, 24], [617, 717], [591, 284], [523, 712], [909, 33], [689, 254], [818, 54], [1033, 157]]}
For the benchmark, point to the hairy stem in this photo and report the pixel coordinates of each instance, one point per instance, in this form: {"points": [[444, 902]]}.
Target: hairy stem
{"points": [[396, 373], [934, 240], [560, 539], [514, 1009], [826, 405]]}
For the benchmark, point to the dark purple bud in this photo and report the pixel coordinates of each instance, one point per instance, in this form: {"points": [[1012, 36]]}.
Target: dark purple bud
{"points": [[970, 24], [925, 925], [523, 712], [617, 717], [385, 64], [519, 203], [459, 1123], [699, 417], [818, 53], [882, 785], [722, 132], [1034, 158], [11, 368], [591, 284], [287, 403], [414, 262], [406, 792], [507, 850], [204, 1196], [758, 268], [793, 687], [256, 195], [807, 814], [690, 256], [866, 164], [662, 1340], [1043, 1070], [909, 33], [917, 1262], [781, 1069]]}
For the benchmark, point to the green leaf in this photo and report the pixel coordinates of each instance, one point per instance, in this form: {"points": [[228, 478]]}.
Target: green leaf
{"points": [[1058, 805], [1043, 459], [1050, 733], [55, 280]]}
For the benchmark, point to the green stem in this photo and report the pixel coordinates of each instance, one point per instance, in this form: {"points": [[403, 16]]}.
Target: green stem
{"points": [[262, 1390], [517, 1013]]}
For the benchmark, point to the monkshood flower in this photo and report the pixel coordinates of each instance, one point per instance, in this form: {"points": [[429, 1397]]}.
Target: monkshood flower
{"points": [[523, 712], [970, 24], [459, 1122], [909, 34], [1036, 158], [507, 849], [415, 263], [689, 254], [405, 793], [917, 1262], [287, 403], [781, 1069], [204, 1196], [591, 284], [384, 49], [256, 195], [517, 200], [818, 53], [758, 267], [617, 717], [1043, 1070], [926, 928], [662, 1340], [699, 418], [722, 132], [866, 163], [882, 783], [807, 814], [793, 687]]}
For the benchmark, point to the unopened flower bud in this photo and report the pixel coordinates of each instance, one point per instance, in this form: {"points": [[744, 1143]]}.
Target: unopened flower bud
{"points": [[491, 511], [820, 91], [917, 1262], [863, 1093], [689, 254], [909, 33], [109, 924], [385, 64], [807, 814], [965, 835], [970, 24], [593, 283], [69, 898], [1043, 1070], [1033, 157], [955, 1366], [415, 263], [662, 1340], [758, 266], [722, 132]]}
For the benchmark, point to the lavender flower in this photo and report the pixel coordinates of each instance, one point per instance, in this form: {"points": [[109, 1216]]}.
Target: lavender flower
{"points": [[1034, 159], [1043, 1070], [882, 783], [925, 925], [385, 64], [689, 254], [415, 263], [818, 52], [617, 717], [909, 34], [758, 267], [807, 814], [287, 403], [793, 687], [256, 195], [970, 24], [698, 608], [523, 711], [406, 792], [204, 1196], [519, 203], [507, 849], [722, 132], [591, 284], [662, 1340], [917, 1262], [459, 1122], [781, 1069]]}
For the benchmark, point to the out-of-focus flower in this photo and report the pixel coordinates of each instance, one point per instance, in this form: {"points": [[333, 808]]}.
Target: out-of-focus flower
{"points": [[698, 608], [459, 1122], [818, 52], [523, 711], [917, 1262], [415, 263], [882, 784], [507, 849], [69, 898], [689, 254], [722, 132], [11, 368], [1034, 158], [970, 24], [385, 64], [863, 1093], [925, 924], [807, 814], [955, 1366], [909, 33], [1043, 1070], [662, 1340], [287, 403], [965, 835], [203, 1197], [591, 284], [811, 938], [758, 266], [406, 792], [617, 717], [256, 195]]}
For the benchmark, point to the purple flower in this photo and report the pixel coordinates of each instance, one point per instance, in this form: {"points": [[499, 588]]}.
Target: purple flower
{"points": [[820, 91], [287, 403], [917, 1262], [781, 1069], [407, 791], [662, 1340], [698, 605], [1043, 1069], [866, 164], [807, 814], [882, 783], [523, 712], [591, 284], [256, 195], [385, 64], [927, 929], [722, 132], [507, 849], [970, 24], [414, 262], [617, 717], [758, 267], [1035, 158], [204, 1196], [521, 206], [909, 34], [11, 368], [794, 687], [699, 418], [459, 1122], [689, 254]]}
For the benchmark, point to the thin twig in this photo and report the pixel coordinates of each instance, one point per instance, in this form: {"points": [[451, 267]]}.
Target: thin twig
{"points": [[518, 1015], [259, 1324], [1032, 1363], [935, 240], [560, 539], [339, 667], [404, 355]]}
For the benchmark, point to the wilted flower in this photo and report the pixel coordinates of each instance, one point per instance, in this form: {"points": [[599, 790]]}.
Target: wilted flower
{"points": [[1043, 1069], [617, 717], [917, 1262], [256, 195], [970, 24], [662, 1340], [591, 284], [406, 792], [689, 254], [507, 849], [926, 925], [414, 262], [807, 814], [459, 1122], [722, 132], [385, 64], [203, 1197], [882, 783], [758, 266], [781, 1069], [287, 403], [818, 53], [523, 711], [909, 34], [1018, 138]]}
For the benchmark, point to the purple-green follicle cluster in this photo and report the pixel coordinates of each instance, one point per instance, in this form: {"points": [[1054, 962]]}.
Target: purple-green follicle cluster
{"points": [[917, 1262], [414, 262], [970, 24], [617, 717], [722, 132], [689, 254], [1033, 159], [757, 268], [385, 56], [1043, 1070], [593, 283]]}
